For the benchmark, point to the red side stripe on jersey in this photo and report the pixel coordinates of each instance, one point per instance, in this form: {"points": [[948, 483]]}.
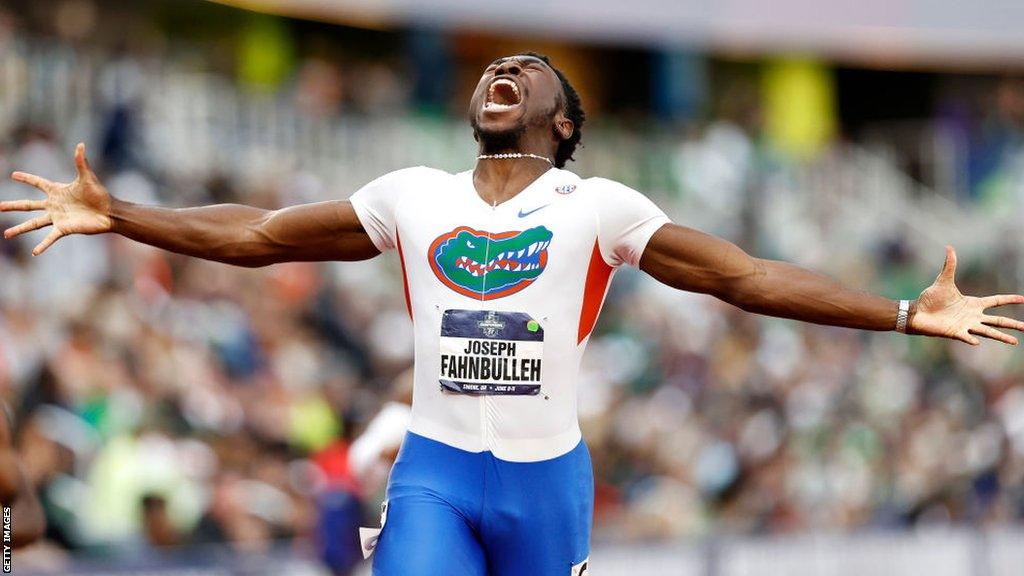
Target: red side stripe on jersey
{"points": [[405, 277], [599, 273]]}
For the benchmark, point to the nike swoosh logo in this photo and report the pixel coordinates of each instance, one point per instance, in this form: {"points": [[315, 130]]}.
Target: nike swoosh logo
{"points": [[525, 214]]}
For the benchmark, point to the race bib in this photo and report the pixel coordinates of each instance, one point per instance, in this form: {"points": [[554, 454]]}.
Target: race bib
{"points": [[484, 352]]}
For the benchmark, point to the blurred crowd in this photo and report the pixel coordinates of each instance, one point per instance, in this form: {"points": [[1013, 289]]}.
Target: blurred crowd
{"points": [[165, 403]]}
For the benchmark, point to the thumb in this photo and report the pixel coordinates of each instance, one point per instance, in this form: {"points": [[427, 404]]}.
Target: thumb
{"points": [[948, 273], [81, 162]]}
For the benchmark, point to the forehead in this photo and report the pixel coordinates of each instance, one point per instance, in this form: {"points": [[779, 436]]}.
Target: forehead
{"points": [[523, 58]]}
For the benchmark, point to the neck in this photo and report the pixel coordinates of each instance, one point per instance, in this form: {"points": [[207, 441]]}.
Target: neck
{"points": [[498, 179], [526, 141]]}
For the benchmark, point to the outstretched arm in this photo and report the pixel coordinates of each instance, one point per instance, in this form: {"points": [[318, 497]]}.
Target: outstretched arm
{"points": [[690, 260], [230, 233]]}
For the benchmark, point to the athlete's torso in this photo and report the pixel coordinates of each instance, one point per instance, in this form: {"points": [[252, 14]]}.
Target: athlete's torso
{"points": [[503, 299]]}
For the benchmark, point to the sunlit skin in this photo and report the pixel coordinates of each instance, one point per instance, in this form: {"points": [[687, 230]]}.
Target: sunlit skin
{"points": [[678, 256]]}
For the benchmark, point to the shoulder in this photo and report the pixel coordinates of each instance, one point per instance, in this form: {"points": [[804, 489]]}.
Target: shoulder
{"points": [[607, 193], [606, 186], [397, 184], [426, 171], [417, 174]]}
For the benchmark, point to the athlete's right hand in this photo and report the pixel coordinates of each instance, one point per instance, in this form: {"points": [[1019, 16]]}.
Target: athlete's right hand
{"points": [[79, 207]]}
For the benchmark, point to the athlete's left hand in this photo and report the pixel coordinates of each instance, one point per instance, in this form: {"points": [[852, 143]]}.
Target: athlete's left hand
{"points": [[944, 312]]}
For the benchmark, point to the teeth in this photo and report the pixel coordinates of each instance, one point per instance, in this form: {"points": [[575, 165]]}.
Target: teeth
{"points": [[520, 254], [533, 248], [490, 95], [515, 87]]}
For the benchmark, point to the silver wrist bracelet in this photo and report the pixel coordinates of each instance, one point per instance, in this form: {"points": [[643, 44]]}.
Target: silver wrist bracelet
{"points": [[901, 317]]}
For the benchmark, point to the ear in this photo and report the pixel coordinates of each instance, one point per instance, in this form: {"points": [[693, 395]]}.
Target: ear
{"points": [[563, 126]]}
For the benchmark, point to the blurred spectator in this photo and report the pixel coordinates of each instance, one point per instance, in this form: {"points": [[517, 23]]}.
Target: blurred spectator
{"points": [[156, 524]]}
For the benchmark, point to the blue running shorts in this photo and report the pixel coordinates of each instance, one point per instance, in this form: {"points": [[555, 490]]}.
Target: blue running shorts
{"points": [[457, 513]]}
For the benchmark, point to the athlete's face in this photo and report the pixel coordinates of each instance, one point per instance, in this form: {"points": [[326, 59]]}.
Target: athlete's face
{"points": [[515, 93]]}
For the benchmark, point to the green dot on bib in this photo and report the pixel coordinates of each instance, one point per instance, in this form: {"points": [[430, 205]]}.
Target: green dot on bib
{"points": [[533, 326]]}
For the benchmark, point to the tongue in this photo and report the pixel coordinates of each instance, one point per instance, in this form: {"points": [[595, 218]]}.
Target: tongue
{"points": [[503, 94]]}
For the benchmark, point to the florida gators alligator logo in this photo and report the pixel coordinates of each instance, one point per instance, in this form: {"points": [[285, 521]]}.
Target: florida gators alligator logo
{"points": [[464, 261]]}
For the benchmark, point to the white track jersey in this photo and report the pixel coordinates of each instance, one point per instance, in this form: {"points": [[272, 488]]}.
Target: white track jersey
{"points": [[503, 298]]}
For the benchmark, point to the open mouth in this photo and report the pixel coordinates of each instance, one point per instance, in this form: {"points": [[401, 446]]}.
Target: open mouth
{"points": [[502, 94]]}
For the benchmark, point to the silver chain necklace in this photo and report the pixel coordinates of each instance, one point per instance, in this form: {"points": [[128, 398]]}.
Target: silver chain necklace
{"points": [[513, 155]]}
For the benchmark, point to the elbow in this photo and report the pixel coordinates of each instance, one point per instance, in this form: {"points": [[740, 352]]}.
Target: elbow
{"points": [[744, 290], [254, 248], [744, 297], [261, 247]]}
